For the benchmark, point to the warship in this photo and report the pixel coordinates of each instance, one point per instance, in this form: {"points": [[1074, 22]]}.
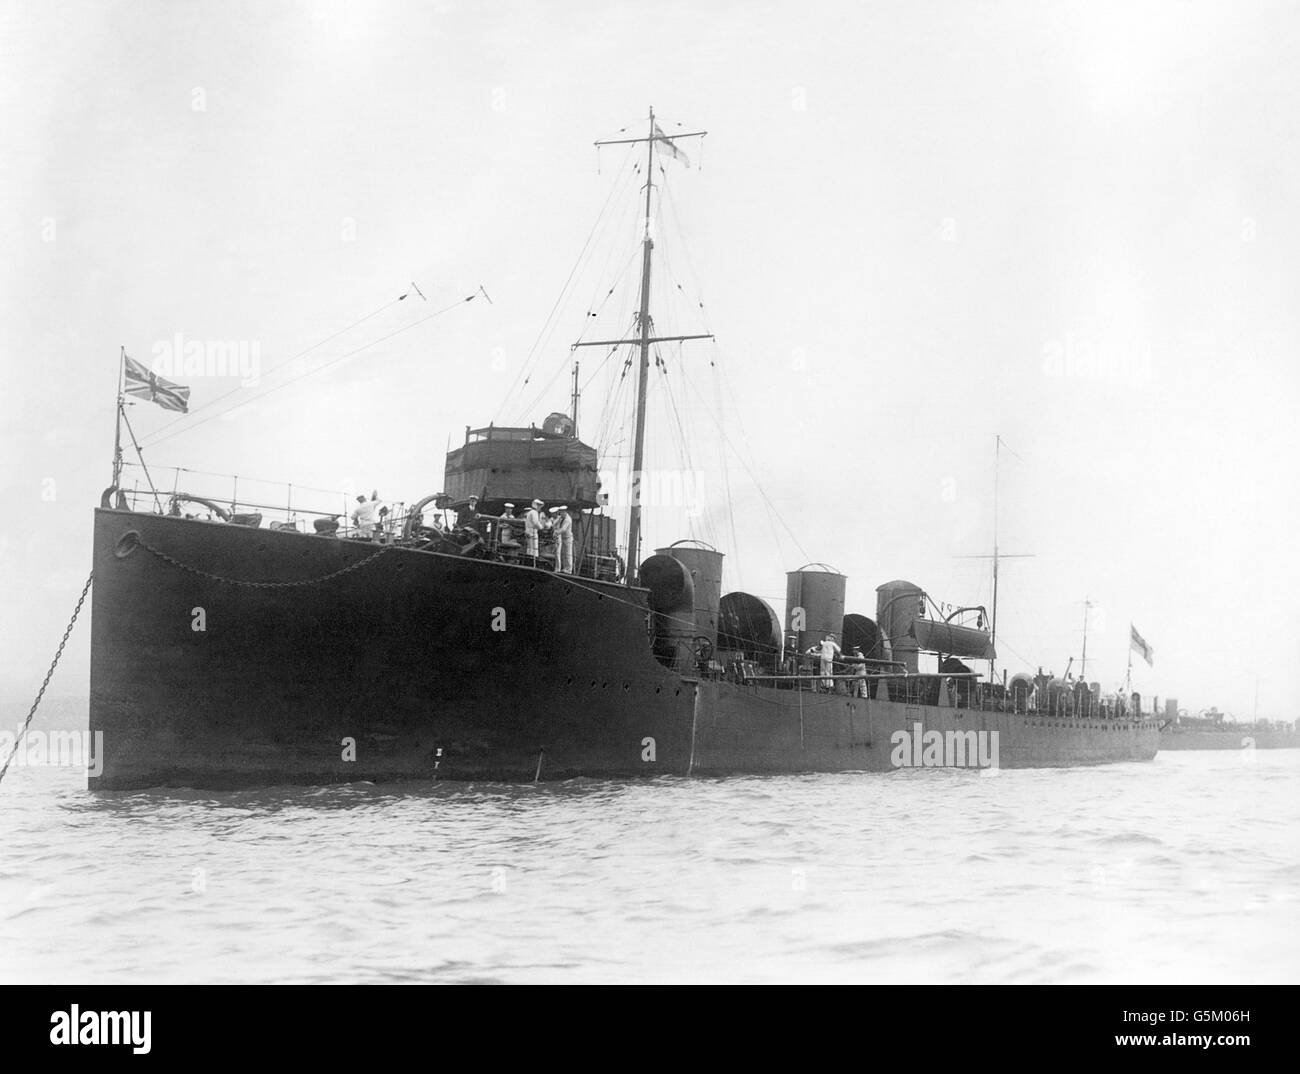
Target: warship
{"points": [[456, 639], [1211, 729]]}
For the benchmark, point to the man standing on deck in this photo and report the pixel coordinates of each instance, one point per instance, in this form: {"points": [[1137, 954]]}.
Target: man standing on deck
{"points": [[562, 527], [505, 529], [859, 672], [828, 651], [534, 523], [367, 514], [467, 514]]}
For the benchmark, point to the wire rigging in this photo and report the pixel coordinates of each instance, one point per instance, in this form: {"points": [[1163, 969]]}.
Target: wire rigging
{"points": [[752, 476], [154, 437], [332, 362], [547, 325]]}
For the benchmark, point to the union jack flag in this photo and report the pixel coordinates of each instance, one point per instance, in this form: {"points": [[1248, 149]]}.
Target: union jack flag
{"points": [[143, 383]]}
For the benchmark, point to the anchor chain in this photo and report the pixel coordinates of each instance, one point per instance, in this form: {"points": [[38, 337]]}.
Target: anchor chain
{"points": [[259, 585], [53, 664]]}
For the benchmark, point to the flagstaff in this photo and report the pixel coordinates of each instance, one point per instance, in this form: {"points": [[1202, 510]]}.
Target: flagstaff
{"points": [[137, 380], [117, 431]]}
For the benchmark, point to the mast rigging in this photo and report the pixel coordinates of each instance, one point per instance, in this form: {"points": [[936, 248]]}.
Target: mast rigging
{"points": [[997, 555], [644, 338]]}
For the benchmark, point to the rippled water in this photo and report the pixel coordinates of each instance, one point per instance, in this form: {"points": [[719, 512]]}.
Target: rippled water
{"points": [[1183, 870]]}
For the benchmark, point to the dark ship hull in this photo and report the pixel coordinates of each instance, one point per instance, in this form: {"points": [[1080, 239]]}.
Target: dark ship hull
{"points": [[419, 665]]}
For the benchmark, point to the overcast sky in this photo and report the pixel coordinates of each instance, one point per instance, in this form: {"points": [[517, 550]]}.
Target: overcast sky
{"points": [[916, 226]]}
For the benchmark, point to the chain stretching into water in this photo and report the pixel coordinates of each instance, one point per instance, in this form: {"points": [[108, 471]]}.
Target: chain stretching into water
{"points": [[53, 664], [260, 585]]}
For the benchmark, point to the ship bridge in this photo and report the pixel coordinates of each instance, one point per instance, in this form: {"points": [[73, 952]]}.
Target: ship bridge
{"points": [[502, 464]]}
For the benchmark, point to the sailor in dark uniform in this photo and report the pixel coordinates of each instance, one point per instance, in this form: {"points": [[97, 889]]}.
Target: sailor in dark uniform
{"points": [[467, 514], [859, 663]]}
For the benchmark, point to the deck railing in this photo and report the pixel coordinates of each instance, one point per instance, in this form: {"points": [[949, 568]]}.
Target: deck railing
{"points": [[201, 496], [928, 689]]}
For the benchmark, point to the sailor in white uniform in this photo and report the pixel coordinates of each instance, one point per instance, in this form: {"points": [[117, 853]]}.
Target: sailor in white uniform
{"points": [[505, 530], [366, 515], [534, 523], [828, 651], [562, 527]]}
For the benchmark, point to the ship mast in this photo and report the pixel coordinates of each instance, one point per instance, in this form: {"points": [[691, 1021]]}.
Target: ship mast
{"points": [[997, 471], [1083, 660], [575, 400], [643, 371], [998, 555], [644, 339]]}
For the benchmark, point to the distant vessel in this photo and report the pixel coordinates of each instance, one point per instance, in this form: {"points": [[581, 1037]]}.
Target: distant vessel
{"points": [[1211, 730], [227, 655]]}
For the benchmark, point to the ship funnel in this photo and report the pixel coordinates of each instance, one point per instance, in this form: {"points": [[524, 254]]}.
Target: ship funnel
{"points": [[814, 604], [705, 564], [1020, 687], [898, 604], [672, 600], [863, 633], [748, 625]]}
